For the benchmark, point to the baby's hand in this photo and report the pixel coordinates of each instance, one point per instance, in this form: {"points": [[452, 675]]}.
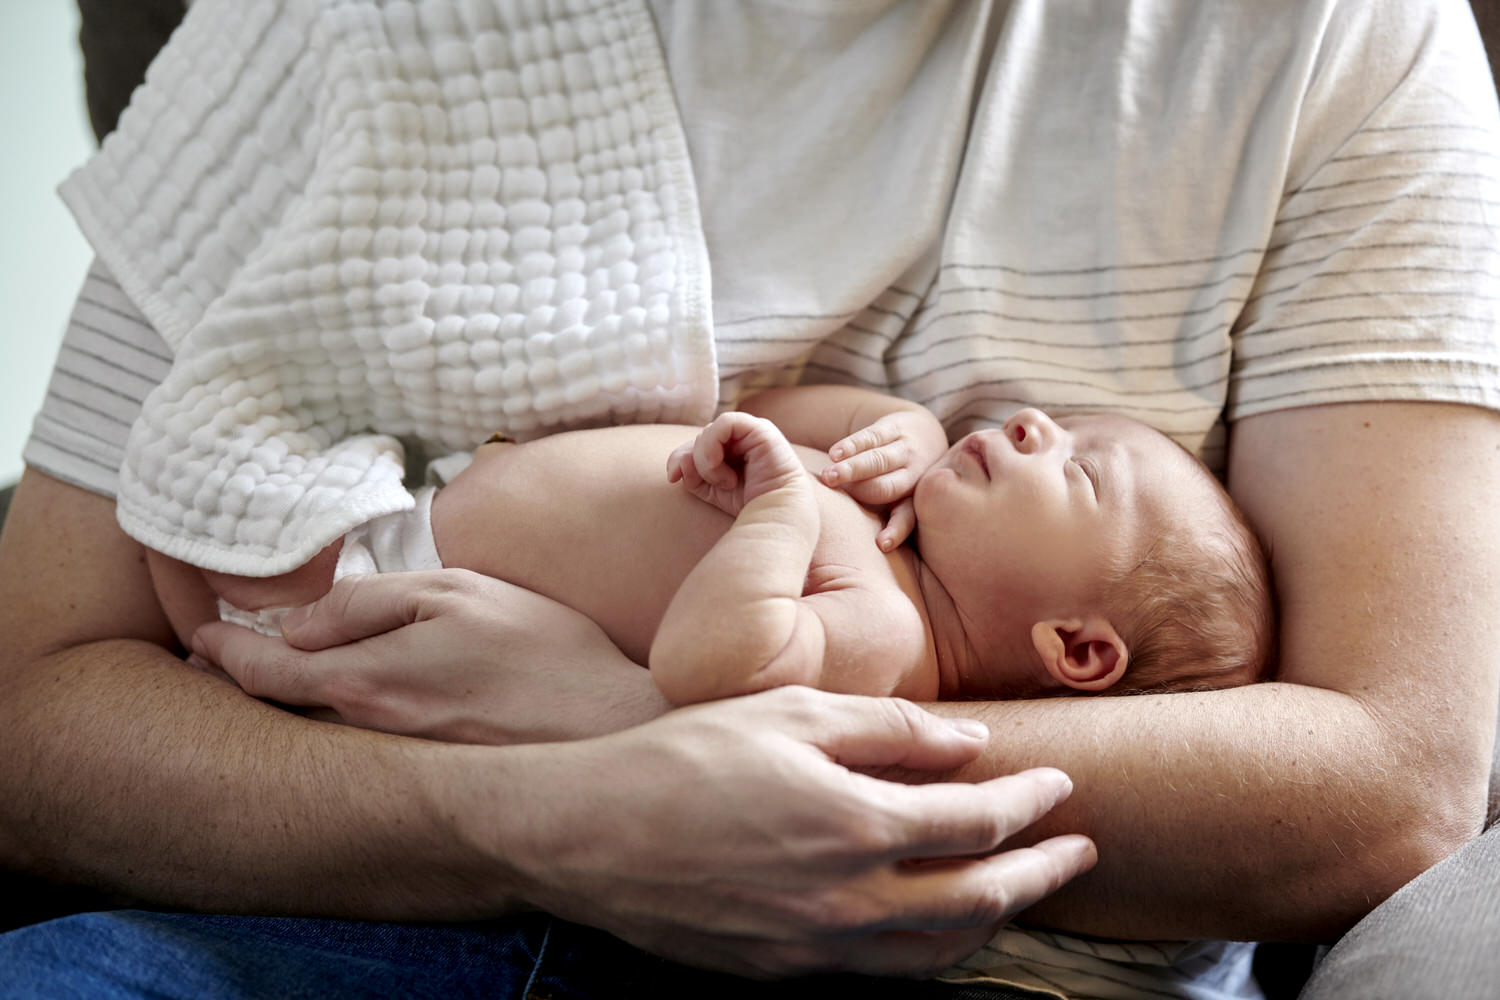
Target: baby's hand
{"points": [[879, 465], [734, 460]]}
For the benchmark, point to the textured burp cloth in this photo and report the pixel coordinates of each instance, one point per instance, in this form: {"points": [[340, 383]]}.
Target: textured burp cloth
{"points": [[358, 221]]}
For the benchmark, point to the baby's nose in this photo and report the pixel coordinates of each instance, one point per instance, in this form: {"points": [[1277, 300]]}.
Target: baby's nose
{"points": [[1030, 430]]}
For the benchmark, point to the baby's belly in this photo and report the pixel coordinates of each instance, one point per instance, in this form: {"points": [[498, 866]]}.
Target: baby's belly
{"points": [[586, 518]]}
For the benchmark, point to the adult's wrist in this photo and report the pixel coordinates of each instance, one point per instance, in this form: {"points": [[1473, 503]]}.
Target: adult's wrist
{"points": [[482, 838]]}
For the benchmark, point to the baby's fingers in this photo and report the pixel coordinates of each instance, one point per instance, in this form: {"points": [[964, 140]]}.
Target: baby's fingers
{"points": [[870, 464], [711, 452], [865, 439], [898, 525], [680, 467]]}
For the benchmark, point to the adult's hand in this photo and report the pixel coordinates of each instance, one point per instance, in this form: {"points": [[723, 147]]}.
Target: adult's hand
{"points": [[449, 655], [733, 835]]}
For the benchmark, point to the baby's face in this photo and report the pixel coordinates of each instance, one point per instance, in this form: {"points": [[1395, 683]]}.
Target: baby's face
{"points": [[1024, 522]]}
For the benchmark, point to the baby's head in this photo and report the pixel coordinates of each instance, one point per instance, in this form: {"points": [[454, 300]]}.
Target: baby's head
{"points": [[1090, 554]]}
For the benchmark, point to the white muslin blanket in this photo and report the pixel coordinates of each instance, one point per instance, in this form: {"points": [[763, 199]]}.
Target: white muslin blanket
{"points": [[434, 221]]}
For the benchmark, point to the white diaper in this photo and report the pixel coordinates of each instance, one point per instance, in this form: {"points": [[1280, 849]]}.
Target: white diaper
{"points": [[392, 543]]}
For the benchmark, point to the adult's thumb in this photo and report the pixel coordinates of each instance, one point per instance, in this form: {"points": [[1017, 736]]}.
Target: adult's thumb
{"points": [[893, 732]]}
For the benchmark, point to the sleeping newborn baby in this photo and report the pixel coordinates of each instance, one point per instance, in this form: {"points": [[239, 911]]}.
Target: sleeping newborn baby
{"points": [[829, 536]]}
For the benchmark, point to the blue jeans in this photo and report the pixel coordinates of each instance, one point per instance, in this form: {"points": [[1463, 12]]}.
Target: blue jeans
{"points": [[132, 953]]}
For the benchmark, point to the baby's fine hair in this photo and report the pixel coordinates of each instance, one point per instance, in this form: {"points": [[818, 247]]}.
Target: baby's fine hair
{"points": [[1197, 611]]}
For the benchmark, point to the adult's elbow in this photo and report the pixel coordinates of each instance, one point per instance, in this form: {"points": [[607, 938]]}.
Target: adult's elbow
{"points": [[1446, 816], [1412, 832]]}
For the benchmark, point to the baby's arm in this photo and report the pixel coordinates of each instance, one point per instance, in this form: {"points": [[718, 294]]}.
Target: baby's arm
{"points": [[737, 623], [878, 445], [750, 616], [822, 416]]}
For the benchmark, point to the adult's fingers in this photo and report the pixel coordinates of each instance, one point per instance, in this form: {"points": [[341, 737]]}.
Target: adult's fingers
{"points": [[264, 667], [912, 954], [358, 607], [863, 732], [953, 894], [957, 819], [949, 910], [916, 954], [335, 682], [921, 918], [941, 912]]}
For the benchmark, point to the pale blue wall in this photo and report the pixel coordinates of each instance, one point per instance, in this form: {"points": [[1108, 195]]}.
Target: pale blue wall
{"points": [[44, 133]]}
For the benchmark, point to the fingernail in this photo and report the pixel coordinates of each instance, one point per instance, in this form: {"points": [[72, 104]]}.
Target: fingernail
{"points": [[972, 728], [194, 660]]}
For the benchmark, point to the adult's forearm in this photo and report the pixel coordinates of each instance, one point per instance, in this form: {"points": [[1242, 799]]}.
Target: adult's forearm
{"points": [[1270, 812], [263, 812], [132, 773]]}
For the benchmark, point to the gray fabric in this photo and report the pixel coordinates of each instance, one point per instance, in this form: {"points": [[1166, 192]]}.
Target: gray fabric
{"points": [[1493, 815], [1438, 937]]}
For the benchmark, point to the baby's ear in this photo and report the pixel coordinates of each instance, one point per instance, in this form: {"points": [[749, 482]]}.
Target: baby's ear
{"points": [[1084, 654]]}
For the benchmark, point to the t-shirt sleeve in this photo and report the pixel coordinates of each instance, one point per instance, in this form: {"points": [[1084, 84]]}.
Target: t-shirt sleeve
{"points": [[110, 359], [1381, 277]]}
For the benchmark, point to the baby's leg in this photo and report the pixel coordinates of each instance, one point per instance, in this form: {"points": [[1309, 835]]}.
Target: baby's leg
{"points": [[302, 585], [190, 595]]}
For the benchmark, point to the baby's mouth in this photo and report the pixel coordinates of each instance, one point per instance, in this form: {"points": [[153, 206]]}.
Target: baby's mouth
{"points": [[975, 447]]}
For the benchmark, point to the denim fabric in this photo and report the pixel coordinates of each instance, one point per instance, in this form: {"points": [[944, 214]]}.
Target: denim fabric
{"points": [[129, 953], [138, 954]]}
